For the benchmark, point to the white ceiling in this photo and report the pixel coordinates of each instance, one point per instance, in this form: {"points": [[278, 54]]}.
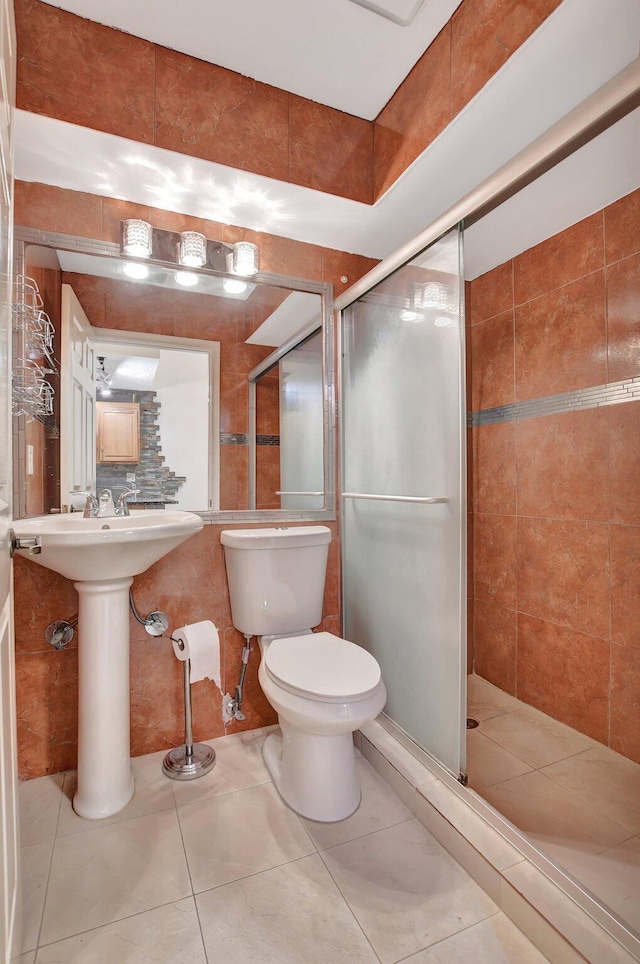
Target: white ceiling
{"points": [[575, 51], [331, 51]]}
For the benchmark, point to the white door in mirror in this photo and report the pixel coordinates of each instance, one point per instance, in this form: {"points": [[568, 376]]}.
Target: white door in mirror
{"points": [[77, 399]]}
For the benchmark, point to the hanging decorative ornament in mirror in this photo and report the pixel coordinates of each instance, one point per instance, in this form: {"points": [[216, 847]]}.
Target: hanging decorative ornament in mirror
{"points": [[33, 333]]}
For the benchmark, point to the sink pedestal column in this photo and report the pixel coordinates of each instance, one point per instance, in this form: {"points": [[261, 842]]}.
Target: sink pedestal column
{"points": [[105, 784]]}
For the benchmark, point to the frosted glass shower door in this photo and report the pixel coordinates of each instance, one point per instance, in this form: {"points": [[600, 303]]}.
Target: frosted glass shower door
{"points": [[403, 423]]}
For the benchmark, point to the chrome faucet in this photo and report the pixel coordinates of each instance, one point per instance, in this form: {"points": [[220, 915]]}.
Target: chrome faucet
{"points": [[122, 506], [102, 506]]}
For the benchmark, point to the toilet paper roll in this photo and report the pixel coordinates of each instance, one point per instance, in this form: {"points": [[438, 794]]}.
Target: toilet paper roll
{"points": [[201, 645]]}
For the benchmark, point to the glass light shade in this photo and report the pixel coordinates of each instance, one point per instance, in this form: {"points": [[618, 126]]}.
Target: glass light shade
{"points": [[186, 278], [193, 249], [137, 238], [133, 269], [433, 295], [245, 259], [234, 287]]}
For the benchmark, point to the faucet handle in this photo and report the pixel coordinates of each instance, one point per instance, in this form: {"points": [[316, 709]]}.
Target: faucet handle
{"points": [[91, 504], [121, 505]]}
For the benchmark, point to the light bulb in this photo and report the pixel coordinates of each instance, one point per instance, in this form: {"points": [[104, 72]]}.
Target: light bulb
{"points": [[193, 249], [245, 259], [137, 238], [233, 287], [186, 278], [133, 269]]}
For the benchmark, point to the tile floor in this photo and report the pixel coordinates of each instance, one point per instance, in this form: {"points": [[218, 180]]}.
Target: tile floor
{"points": [[574, 798], [221, 869]]}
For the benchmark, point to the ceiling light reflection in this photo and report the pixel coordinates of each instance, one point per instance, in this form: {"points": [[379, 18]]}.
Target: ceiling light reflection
{"points": [[133, 269], [186, 278], [233, 287]]}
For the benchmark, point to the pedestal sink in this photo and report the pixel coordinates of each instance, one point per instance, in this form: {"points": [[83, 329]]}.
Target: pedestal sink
{"points": [[102, 556]]}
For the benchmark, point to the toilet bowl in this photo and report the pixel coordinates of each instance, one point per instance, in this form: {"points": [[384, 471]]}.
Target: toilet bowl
{"points": [[322, 687]]}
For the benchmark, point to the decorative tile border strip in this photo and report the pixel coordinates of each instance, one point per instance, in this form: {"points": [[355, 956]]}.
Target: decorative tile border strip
{"points": [[613, 393], [238, 438]]}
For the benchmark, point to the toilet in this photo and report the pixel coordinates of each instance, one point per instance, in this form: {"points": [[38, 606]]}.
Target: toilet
{"points": [[322, 687]]}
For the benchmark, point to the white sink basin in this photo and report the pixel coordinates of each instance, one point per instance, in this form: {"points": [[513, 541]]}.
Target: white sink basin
{"points": [[98, 549], [102, 556]]}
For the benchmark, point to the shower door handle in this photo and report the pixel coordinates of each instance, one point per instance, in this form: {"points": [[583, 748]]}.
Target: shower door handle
{"points": [[282, 492], [420, 500]]}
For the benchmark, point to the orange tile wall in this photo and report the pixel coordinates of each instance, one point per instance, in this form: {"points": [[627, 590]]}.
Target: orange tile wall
{"points": [[97, 77], [468, 51], [556, 499], [189, 584], [82, 72]]}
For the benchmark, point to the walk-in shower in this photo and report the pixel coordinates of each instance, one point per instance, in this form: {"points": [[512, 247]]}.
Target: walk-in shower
{"points": [[553, 360]]}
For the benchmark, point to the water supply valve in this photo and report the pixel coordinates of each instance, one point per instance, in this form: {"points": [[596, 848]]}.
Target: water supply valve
{"points": [[60, 632]]}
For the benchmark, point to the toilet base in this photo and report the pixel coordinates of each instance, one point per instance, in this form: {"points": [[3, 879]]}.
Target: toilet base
{"points": [[315, 775]]}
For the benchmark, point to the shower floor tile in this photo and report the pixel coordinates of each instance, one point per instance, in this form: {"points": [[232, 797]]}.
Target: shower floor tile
{"points": [[189, 869], [579, 802]]}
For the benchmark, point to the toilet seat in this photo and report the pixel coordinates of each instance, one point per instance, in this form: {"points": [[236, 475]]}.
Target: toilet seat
{"points": [[322, 667]]}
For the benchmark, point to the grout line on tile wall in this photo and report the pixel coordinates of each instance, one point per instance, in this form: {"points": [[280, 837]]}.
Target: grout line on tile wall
{"points": [[543, 294]]}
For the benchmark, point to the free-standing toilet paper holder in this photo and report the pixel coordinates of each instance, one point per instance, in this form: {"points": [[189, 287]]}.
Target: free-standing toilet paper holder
{"points": [[191, 760]]}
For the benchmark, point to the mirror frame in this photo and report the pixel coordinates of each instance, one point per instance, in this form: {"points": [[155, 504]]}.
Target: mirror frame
{"points": [[108, 249]]}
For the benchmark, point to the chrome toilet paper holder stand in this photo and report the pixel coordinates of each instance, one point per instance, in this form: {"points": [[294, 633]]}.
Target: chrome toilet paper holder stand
{"points": [[191, 760]]}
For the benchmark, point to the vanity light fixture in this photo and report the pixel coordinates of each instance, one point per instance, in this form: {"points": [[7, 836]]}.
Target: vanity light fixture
{"points": [[186, 278], [190, 250], [137, 238], [135, 270], [193, 249]]}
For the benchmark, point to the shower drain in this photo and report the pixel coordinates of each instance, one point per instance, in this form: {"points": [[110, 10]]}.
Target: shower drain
{"points": [[471, 723]]}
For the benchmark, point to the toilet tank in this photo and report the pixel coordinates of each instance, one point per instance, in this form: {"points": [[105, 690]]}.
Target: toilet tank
{"points": [[276, 577]]}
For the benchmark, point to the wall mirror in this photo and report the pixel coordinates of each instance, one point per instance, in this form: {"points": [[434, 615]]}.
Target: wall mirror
{"points": [[216, 398]]}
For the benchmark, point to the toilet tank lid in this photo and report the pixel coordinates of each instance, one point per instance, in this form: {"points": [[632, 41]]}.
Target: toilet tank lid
{"points": [[282, 537]]}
